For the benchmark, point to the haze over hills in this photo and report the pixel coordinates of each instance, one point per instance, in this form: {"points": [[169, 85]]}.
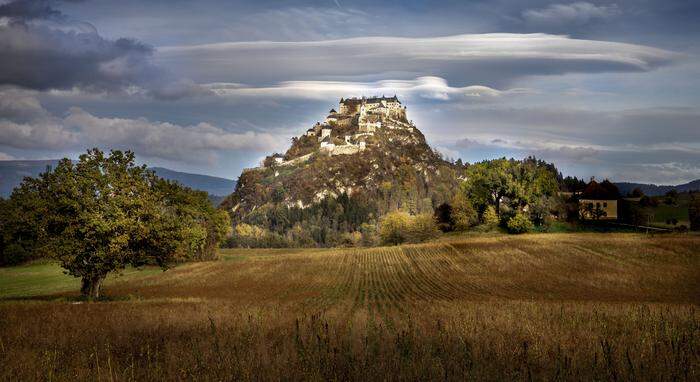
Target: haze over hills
{"points": [[13, 171], [656, 190]]}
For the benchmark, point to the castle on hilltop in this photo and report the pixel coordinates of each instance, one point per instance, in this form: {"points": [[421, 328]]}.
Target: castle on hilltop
{"points": [[349, 129], [352, 106]]}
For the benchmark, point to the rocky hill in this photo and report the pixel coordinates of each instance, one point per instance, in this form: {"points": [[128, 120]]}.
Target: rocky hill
{"points": [[367, 151]]}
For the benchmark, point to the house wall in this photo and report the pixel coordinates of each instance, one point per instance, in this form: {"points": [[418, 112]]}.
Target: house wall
{"points": [[609, 206]]}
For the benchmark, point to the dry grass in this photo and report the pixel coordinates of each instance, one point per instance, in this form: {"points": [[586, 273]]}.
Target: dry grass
{"points": [[559, 306]]}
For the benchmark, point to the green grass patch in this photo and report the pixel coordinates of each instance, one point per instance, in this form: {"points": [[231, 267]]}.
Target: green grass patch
{"points": [[44, 277]]}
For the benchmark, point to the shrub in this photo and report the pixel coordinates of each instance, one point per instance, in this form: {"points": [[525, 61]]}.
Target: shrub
{"points": [[490, 217], [297, 236], [400, 227], [519, 223], [444, 217], [422, 228], [247, 235], [369, 234], [463, 213], [393, 228], [350, 239]]}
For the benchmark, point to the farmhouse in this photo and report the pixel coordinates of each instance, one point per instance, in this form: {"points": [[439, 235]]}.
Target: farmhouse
{"points": [[598, 201]]}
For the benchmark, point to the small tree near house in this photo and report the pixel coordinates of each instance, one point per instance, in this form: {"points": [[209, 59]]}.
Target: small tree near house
{"points": [[595, 211]]}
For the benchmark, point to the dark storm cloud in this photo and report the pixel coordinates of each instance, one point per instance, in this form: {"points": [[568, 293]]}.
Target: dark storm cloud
{"points": [[41, 57], [30, 9], [42, 49]]}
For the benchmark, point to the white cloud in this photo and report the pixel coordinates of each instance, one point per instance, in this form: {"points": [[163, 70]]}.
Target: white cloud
{"points": [[4, 156], [578, 13], [659, 173], [552, 150], [79, 129], [475, 58], [428, 87]]}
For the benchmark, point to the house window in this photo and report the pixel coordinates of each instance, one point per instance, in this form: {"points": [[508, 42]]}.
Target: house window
{"points": [[597, 205], [605, 204]]}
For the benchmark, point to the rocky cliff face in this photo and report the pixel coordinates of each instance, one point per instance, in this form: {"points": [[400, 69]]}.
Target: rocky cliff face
{"points": [[369, 151]]}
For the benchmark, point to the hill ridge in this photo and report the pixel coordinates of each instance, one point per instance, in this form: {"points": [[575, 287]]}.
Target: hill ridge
{"points": [[12, 172]]}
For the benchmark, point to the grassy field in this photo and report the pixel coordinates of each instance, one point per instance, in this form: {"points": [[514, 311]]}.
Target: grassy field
{"points": [[549, 306], [42, 278], [678, 211]]}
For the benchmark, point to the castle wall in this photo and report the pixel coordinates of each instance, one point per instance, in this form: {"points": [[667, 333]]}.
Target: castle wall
{"points": [[345, 150], [344, 122]]}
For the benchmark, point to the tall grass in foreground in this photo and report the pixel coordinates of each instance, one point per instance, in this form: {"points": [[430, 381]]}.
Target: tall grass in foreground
{"points": [[531, 307], [484, 341]]}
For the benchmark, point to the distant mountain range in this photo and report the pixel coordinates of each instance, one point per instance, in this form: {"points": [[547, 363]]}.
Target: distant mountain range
{"points": [[654, 190], [13, 171], [213, 185]]}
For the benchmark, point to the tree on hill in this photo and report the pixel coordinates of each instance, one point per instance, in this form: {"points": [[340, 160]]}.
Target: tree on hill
{"points": [[103, 212], [572, 184]]}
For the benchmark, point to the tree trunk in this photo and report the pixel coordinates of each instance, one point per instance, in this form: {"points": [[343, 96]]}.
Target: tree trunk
{"points": [[91, 286]]}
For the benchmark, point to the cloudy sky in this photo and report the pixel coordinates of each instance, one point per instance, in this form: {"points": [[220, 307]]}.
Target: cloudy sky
{"points": [[605, 89]]}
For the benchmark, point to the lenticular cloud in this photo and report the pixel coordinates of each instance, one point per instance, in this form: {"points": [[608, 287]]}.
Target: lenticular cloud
{"points": [[461, 59]]}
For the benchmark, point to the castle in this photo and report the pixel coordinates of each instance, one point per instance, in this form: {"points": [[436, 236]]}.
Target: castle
{"points": [[336, 135], [368, 112]]}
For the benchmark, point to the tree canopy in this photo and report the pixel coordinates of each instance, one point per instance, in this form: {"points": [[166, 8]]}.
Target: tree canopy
{"points": [[103, 213], [516, 183]]}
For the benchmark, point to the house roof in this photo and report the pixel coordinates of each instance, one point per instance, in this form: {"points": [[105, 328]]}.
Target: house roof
{"points": [[604, 190]]}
